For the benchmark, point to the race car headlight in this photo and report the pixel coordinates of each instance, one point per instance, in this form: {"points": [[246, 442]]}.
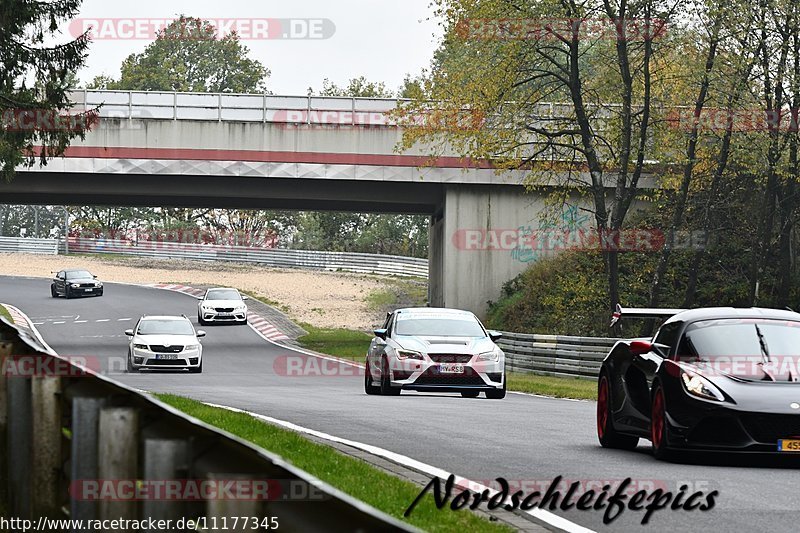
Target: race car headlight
{"points": [[75, 285], [241, 307], [140, 346], [494, 355], [699, 386], [98, 284], [409, 354]]}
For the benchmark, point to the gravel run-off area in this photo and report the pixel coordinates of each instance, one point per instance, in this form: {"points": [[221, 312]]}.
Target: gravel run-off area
{"points": [[322, 299]]}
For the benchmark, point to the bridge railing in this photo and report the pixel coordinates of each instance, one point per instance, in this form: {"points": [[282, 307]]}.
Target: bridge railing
{"points": [[28, 245], [72, 441], [555, 355], [393, 265]]}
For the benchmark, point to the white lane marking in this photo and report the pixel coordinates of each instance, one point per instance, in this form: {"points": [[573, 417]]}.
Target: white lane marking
{"points": [[540, 514], [123, 319], [103, 320], [58, 322], [81, 321]]}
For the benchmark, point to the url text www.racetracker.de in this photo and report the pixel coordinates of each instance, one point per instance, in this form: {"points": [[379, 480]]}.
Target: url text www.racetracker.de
{"points": [[224, 523], [612, 501]]}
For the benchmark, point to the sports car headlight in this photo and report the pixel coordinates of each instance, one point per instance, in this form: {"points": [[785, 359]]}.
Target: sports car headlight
{"points": [[241, 307], [140, 346], [699, 386], [409, 354], [494, 355], [75, 285]]}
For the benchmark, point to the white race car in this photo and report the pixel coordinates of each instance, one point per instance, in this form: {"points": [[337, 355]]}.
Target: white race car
{"points": [[165, 342], [430, 349], [222, 305]]}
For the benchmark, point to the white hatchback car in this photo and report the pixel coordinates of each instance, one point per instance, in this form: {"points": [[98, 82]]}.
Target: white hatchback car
{"points": [[165, 342], [221, 304], [435, 350]]}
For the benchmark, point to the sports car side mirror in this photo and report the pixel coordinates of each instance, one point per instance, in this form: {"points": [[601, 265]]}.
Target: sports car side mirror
{"points": [[95, 277], [200, 333], [245, 297], [640, 347], [381, 333], [494, 335], [129, 332]]}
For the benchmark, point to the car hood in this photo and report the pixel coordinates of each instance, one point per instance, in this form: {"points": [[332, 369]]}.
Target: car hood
{"points": [[165, 340], [450, 345], [82, 280], [223, 303]]}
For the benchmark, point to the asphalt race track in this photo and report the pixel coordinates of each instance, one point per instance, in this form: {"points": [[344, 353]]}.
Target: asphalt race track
{"points": [[526, 439]]}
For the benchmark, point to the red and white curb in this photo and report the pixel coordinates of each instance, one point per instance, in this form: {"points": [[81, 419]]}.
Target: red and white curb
{"points": [[259, 323], [17, 316]]}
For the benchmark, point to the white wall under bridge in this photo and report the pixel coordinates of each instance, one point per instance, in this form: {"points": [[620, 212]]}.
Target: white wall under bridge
{"points": [[157, 149]]}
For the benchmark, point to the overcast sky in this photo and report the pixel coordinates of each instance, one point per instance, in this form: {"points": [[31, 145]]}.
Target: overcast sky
{"points": [[380, 39]]}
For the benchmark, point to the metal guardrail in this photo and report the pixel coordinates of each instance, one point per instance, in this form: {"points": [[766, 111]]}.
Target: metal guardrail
{"points": [[555, 355], [62, 428], [28, 245], [394, 265]]}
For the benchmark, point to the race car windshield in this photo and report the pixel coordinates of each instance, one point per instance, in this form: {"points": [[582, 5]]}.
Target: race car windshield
{"points": [[165, 327], [710, 339], [78, 274], [223, 294], [440, 327]]}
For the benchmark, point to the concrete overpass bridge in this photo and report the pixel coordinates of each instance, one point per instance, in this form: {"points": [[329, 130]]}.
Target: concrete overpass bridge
{"points": [[305, 153]]}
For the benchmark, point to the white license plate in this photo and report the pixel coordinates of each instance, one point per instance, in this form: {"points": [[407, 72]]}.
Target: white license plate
{"points": [[451, 369], [224, 315], [166, 356], [88, 290]]}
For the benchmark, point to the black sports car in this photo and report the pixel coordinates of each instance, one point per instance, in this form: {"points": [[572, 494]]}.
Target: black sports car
{"points": [[75, 282], [723, 379]]}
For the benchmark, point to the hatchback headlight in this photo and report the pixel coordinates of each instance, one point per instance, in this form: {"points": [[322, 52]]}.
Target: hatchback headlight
{"points": [[409, 354], [191, 347], [697, 385], [140, 346], [75, 285], [494, 355]]}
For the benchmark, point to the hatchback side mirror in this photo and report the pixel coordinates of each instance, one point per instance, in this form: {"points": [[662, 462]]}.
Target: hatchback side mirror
{"points": [[494, 335], [200, 333], [129, 332], [245, 297], [381, 333]]}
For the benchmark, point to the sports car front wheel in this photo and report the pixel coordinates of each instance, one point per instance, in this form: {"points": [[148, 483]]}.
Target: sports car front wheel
{"points": [[659, 428], [606, 433]]}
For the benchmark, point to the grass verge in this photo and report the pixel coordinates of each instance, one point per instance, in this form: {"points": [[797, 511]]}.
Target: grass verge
{"points": [[383, 491], [582, 389], [344, 343], [4, 313]]}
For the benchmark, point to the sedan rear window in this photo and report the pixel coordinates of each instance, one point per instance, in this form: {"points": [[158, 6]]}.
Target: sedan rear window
{"points": [[439, 327], [165, 327], [223, 294]]}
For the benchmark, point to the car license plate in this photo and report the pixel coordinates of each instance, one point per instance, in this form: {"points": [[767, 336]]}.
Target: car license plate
{"points": [[88, 290], [789, 445], [166, 356], [224, 315], [451, 369]]}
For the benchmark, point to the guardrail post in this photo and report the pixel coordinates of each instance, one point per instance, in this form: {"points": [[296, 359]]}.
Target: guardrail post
{"points": [[117, 456], [223, 510], [85, 422], [20, 434], [46, 449], [165, 459]]}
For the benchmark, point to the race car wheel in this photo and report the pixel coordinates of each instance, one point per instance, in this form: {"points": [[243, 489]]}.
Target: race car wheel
{"points": [[67, 293], [497, 394], [198, 370], [201, 321], [53, 292], [131, 369], [470, 393], [386, 384], [606, 434], [369, 388], [659, 429]]}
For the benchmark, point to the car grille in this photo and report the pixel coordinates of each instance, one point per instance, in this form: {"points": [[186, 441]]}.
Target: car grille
{"points": [[431, 377], [87, 285], [223, 309], [770, 428], [166, 362], [165, 349], [450, 358]]}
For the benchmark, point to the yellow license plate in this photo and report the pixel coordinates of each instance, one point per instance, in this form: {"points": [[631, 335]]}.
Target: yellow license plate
{"points": [[789, 445]]}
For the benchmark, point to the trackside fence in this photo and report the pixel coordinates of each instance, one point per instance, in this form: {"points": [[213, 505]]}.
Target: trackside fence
{"points": [[555, 355], [393, 265], [64, 428], [28, 245]]}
